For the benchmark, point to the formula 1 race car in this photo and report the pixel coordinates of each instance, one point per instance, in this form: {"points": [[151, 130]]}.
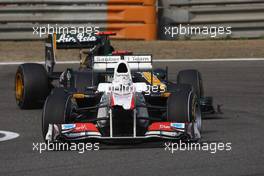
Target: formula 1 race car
{"points": [[116, 95], [131, 103], [34, 82]]}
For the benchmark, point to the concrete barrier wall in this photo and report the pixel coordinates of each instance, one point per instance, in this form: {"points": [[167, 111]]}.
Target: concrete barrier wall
{"points": [[245, 17], [131, 19]]}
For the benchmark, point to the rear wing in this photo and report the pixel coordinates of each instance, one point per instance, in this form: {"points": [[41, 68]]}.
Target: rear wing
{"points": [[105, 64], [72, 41], [79, 40]]}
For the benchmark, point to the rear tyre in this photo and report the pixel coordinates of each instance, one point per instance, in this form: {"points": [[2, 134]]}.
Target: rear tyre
{"points": [[32, 86], [57, 109], [194, 78], [183, 106]]}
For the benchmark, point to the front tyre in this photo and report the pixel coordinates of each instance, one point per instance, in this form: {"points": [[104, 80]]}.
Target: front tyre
{"points": [[57, 109], [194, 78], [183, 106]]}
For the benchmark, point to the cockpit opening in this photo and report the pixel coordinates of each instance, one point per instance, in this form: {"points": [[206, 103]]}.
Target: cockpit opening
{"points": [[122, 68]]}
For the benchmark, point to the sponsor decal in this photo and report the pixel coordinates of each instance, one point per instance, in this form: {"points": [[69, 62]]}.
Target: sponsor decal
{"points": [[74, 135], [167, 126], [106, 59], [80, 127], [177, 125], [172, 134], [67, 126], [133, 58], [84, 127], [160, 126], [142, 58], [163, 133], [81, 37]]}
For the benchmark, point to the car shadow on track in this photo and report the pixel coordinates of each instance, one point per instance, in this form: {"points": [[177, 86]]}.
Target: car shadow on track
{"points": [[144, 145]]}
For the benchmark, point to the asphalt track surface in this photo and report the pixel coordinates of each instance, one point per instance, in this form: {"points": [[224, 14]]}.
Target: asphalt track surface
{"points": [[236, 85]]}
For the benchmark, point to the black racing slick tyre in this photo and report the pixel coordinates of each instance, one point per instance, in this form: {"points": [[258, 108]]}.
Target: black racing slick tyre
{"points": [[183, 106], [32, 86], [192, 77], [57, 109]]}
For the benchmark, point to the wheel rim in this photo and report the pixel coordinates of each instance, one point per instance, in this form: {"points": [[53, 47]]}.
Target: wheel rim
{"points": [[19, 87]]}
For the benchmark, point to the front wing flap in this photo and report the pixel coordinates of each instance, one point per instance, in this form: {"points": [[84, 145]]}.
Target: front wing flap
{"points": [[157, 130]]}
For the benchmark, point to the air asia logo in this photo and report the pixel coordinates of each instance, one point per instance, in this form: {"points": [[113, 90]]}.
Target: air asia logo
{"points": [[81, 37]]}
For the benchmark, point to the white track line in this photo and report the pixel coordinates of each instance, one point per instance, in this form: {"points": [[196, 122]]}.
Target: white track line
{"points": [[18, 63], [209, 60], [8, 135], [154, 60]]}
